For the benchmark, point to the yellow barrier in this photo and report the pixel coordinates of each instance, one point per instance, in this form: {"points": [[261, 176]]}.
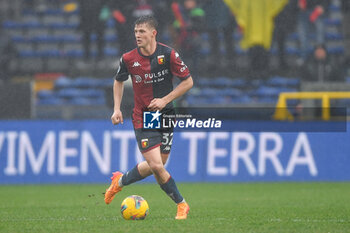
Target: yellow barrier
{"points": [[282, 113]]}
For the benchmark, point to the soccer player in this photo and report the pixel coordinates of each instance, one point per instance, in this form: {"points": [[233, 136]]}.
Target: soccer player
{"points": [[151, 67]]}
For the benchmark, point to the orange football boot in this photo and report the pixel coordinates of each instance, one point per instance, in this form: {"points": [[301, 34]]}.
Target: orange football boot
{"points": [[113, 188], [182, 210]]}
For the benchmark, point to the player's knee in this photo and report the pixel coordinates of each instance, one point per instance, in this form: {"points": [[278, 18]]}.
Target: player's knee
{"points": [[165, 158], [156, 167]]}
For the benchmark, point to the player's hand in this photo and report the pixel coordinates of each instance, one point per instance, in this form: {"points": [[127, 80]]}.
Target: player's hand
{"points": [[117, 117], [156, 104]]}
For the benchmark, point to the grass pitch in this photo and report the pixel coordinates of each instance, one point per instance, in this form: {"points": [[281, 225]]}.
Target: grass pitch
{"points": [[232, 207]]}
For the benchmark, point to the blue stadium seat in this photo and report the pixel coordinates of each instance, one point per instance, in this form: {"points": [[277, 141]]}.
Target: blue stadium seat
{"points": [[45, 39], [267, 99], [45, 94], [58, 26], [31, 25], [204, 82], [11, 25], [92, 93], [222, 82], [71, 38], [111, 52], [69, 92], [104, 82], [232, 92], [334, 36], [50, 101], [28, 54], [21, 39], [84, 82], [265, 91], [242, 99], [239, 83], [75, 53], [63, 82], [292, 51], [111, 38], [283, 81], [336, 50], [209, 91], [79, 101], [48, 97], [110, 23], [49, 53], [204, 51], [333, 22]]}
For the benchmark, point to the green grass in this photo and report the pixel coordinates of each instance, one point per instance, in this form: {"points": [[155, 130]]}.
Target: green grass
{"points": [[248, 207]]}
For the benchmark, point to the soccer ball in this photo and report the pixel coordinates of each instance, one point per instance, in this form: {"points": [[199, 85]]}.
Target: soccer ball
{"points": [[134, 208]]}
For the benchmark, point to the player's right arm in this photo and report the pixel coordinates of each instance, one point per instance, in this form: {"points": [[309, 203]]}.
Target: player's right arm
{"points": [[118, 88]]}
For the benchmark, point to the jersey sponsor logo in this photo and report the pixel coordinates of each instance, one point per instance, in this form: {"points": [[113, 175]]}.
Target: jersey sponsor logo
{"points": [[136, 64], [144, 143], [182, 69], [138, 78], [151, 120], [156, 77], [161, 59]]}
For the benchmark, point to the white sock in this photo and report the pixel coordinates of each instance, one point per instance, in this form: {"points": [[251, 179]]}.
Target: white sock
{"points": [[120, 182]]}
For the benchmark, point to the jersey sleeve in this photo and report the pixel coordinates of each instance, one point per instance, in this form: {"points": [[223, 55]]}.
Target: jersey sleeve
{"points": [[178, 67], [122, 73]]}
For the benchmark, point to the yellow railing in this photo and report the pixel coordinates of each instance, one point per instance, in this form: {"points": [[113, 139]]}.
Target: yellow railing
{"points": [[282, 113]]}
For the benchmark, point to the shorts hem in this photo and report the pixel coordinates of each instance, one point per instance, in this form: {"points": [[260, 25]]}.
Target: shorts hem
{"points": [[152, 147]]}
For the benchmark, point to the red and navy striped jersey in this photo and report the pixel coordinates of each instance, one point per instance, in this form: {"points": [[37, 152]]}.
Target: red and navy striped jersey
{"points": [[151, 76]]}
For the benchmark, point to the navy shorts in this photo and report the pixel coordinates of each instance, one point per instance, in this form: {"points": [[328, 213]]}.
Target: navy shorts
{"points": [[149, 139]]}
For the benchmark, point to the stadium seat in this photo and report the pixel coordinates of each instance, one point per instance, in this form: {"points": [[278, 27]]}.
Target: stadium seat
{"points": [[336, 50], [231, 92], [84, 82], [283, 81], [50, 101], [239, 83], [74, 53], [203, 82], [63, 82], [222, 82], [79, 101], [69, 93], [44, 94], [111, 52], [265, 91], [104, 82], [209, 92]]}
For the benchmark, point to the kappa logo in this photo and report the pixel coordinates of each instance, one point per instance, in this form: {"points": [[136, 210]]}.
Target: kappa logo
{"points": [[136, 64]]}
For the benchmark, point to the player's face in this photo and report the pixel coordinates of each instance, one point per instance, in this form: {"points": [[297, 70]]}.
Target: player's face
{"points": [[144, 35]]}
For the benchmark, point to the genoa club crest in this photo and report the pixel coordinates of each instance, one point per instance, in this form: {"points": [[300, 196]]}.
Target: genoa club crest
{"points": [[161, 59], [144, 143]]}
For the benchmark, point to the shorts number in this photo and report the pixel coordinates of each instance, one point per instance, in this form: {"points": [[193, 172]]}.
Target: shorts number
{"points": [[167, 137]]}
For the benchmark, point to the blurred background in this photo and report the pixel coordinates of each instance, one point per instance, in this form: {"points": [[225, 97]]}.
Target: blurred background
{"points": [[58, 57], [276, 58]]}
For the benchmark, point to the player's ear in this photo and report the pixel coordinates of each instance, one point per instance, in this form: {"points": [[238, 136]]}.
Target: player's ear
{"points": [[154, 32]]}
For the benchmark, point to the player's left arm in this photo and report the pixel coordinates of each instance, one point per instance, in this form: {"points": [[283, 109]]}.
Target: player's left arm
{"points": [[182, 88]]}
